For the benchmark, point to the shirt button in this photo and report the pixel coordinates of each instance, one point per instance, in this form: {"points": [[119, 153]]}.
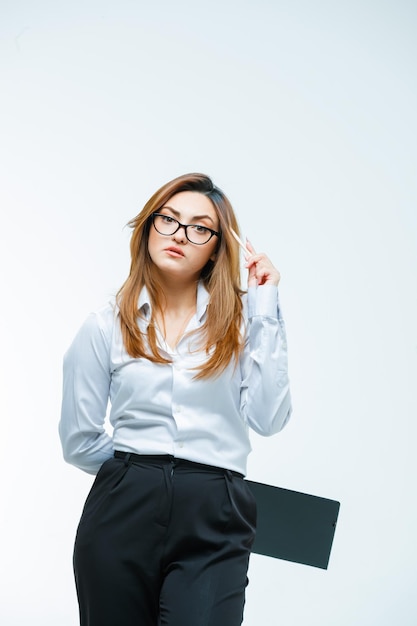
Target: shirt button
{"points": [[180, 444], [178, 408]]}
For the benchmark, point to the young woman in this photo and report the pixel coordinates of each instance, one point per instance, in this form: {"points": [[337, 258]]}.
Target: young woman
{"points": [[188, 363]]}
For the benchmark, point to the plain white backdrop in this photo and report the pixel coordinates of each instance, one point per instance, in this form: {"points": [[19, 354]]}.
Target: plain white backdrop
{"points": [[303, 111]]}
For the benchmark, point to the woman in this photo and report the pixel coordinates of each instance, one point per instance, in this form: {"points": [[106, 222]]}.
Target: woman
{"points": [[188, 363]]}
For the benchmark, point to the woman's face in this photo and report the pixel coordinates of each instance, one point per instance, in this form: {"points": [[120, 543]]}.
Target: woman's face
{"points": [[174, 255]]}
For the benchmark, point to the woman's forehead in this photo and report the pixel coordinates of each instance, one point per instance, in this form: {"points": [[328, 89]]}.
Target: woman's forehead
{"points": [[188, 205]]}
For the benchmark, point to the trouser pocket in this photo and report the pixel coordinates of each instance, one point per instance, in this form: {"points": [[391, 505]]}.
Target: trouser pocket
{"points": [[108, 478], [243, 509]]}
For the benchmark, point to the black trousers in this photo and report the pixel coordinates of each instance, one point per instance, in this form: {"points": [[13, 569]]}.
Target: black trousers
{"points": [[164, 542]]}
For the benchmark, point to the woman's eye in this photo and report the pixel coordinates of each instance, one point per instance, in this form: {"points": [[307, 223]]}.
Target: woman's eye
{"points": [[167, 219], [200, 229]]}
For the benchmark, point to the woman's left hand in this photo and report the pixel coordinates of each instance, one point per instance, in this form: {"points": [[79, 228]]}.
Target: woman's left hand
{"points": [[261, 270]]}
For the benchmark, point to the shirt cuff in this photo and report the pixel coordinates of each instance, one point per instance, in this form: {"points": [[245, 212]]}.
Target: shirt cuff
{"points": [[263, 301]]}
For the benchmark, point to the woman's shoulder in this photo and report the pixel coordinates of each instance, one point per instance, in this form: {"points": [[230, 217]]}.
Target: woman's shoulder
{"points": [[108, 312], [102, 320]]}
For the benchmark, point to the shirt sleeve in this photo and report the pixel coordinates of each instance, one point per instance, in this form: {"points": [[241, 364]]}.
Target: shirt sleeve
{"points": [[265, 393], [86, 384]]}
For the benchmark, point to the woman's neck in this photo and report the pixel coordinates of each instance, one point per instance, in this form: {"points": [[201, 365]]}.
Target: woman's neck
{"points": [[178, 307], [178, 297]]}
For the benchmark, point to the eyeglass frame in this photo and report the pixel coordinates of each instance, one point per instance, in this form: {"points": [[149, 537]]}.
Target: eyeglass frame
{"points": [[184, 226]]}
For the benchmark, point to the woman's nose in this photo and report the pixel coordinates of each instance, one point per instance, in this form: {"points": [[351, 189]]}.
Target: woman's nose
{"points": [[180, 235]]}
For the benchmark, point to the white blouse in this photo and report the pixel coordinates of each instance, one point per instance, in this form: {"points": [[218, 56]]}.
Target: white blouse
{"points": [[159, 408]]}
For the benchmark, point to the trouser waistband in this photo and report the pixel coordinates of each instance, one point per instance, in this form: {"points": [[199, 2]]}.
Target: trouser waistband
{"points": [[131, 457]]}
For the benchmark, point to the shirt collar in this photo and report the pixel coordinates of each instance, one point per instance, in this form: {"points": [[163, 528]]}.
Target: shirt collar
{"points": [[203, 297], [144, 303]]}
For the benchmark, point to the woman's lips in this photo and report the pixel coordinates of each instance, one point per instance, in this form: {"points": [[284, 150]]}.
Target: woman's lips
{"points": [[172, 251]]}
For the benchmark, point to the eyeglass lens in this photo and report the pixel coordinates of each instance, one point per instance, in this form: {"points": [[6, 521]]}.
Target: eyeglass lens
{"points": [[167, 225]]}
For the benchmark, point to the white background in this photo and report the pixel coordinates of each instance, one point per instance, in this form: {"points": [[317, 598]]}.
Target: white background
{"points": [[304, 112]]}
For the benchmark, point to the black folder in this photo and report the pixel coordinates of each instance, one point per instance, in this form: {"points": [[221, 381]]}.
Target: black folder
{"points": [[294, 526]]}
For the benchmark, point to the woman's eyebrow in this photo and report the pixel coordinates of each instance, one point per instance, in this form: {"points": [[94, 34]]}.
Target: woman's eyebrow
{"points": [[196, 217]]}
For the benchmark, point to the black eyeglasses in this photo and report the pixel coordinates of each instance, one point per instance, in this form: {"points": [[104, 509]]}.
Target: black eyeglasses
{"points": [[167, 225]]}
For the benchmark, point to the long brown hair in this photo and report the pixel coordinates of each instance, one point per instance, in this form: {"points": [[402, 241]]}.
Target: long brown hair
{"points": [[221, 331]]}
